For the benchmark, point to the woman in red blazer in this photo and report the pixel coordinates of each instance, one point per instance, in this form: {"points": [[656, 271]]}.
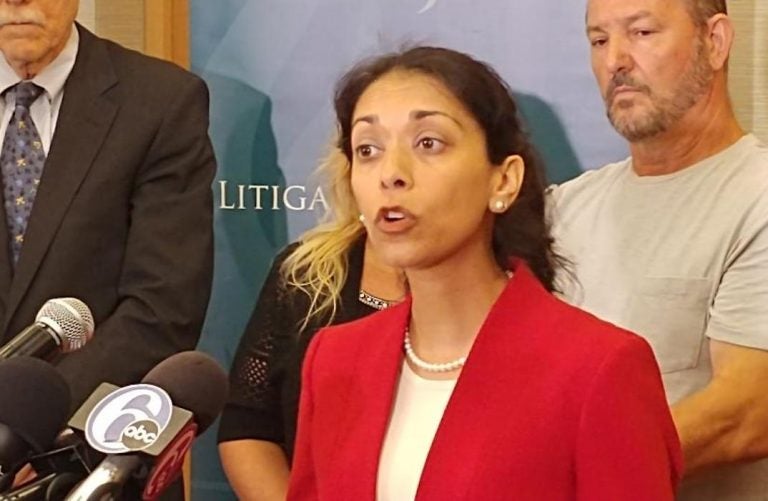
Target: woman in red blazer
{"points": [[481, 385]]}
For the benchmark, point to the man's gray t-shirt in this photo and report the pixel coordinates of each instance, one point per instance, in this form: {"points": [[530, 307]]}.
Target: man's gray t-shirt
{"points": [[679, 259]]}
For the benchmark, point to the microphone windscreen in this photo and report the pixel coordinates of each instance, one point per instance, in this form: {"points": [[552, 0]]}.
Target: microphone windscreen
{"points": [[35, 400], [71, 319], [194, 381]]}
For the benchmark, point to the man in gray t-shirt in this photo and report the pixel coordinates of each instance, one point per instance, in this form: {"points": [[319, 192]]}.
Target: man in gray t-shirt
{"points": [[672, 243]]}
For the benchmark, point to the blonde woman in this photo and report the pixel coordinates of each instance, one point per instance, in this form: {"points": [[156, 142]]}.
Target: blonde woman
{"points": [[330, 276]]}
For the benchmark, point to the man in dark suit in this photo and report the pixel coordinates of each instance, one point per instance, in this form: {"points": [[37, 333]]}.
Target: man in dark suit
{"points": [[116, 209]]}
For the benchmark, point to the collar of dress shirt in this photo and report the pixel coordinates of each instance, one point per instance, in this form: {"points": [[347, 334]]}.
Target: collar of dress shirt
{"points": [[53, 76]]}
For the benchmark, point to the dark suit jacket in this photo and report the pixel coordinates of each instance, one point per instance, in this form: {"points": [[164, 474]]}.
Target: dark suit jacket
{"points": [[552, 404], [123, 216]]}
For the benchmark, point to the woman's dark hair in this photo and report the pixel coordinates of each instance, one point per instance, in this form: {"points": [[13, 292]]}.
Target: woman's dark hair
{"points": [[522, 231]]}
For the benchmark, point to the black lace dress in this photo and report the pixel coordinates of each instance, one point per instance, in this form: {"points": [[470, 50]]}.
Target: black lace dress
{"points": [[266, 373]]}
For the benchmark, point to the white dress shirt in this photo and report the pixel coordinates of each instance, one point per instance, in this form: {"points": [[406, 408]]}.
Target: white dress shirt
{"points": [[419, 407], [45, 109]]}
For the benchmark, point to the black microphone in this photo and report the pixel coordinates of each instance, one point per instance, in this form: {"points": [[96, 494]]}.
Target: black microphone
{"points": [[62, 325], [50, 487], [35, 406], [58, 471], [146, 436]]}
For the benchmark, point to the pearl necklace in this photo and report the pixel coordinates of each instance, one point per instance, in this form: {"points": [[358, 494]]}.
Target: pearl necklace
{"points": [[429, 367]]}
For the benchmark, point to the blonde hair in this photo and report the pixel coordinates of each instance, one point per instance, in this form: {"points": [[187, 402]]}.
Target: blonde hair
{"points": [[318, 267]]}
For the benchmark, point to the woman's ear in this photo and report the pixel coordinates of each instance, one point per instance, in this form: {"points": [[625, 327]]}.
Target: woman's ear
{"points": [[505, 183]]}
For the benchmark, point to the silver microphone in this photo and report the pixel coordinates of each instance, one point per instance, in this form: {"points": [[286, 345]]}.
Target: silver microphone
{"points": [[62, 325]]}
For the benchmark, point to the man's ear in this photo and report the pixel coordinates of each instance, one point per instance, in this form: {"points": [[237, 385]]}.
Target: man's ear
{"points": [[720, 35]]}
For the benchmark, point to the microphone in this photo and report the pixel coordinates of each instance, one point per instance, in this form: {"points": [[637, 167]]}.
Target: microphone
{"points": [[62, 325], [147, 429], [35, 406], [50, 487], [58, 471]]}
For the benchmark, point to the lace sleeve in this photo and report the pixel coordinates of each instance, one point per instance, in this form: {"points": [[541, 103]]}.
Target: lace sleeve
{"points": [[258, 371]]}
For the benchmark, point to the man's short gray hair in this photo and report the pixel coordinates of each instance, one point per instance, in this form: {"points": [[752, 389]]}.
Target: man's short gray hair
{"points": [[702, 10]]}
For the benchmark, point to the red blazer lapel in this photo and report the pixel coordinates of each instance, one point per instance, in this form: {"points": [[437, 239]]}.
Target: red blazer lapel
{"points": [[477, 413], [365, 403]]}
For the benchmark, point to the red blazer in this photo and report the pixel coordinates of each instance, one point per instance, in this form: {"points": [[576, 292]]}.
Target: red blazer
{"points": [[552, 404]]}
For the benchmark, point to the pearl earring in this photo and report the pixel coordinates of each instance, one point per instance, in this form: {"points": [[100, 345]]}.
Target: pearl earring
{"points": [[499, 205], [361, 217]]}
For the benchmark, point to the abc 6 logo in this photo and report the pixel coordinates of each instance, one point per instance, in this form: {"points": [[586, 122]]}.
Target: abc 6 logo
{"points": [[128, 419]]}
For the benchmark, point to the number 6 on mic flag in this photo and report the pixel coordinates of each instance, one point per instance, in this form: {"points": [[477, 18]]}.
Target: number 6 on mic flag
{"points": [[128, 419], [139, 417]]}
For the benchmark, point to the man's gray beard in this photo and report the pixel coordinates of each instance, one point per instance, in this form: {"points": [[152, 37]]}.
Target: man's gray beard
{"points": [[665, 112]]}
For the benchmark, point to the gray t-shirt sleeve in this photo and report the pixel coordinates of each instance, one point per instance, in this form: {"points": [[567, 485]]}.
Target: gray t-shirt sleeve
{"points": [[739, 311]]}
